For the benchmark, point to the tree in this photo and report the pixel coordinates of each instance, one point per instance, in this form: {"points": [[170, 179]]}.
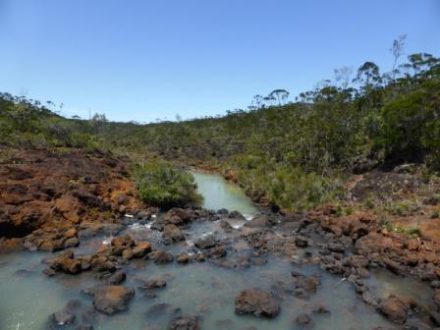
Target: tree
{"points": [[280, 95], [368, 74], [397, 51]]}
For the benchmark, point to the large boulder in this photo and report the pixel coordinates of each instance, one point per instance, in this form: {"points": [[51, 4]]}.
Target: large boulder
{"points": [[206, 242], [172, 233], [393, 309], [111, 299], [178, 216], [256, 302]]}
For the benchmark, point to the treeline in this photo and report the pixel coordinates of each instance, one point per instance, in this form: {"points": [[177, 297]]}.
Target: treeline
{"points": [[291, 155]]}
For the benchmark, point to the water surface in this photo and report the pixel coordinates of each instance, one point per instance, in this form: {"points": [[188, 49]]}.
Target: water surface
{"points": [[218, 194]]}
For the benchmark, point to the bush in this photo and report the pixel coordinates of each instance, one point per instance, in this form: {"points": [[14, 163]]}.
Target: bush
{"points": [[159, 184]]}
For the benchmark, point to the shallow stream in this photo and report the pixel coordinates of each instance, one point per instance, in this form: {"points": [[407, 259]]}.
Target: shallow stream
{"points": [[27, 297]]}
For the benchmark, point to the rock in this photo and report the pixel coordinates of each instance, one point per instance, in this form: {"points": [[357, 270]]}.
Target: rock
{"points": [[102, 263], [320, 309], [157, 310], [141, 249], [393, 309], [206, 242], [256, 302], [66, 263], [184, 323], [72, 232], [121, 243], [62, 318], [303, 319], [183, 258], [111, 299], [178, 216], [116, 278], [301, 242], [127, 254], [172, 233], [435, 284], [156, 283], [236, 215], [436, 298], [258, 222], [308, 284], [71, 242], [217, 252], [435, 318], [161, 257]]}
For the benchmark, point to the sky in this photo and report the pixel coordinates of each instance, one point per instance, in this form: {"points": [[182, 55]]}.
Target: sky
{"points": [[146, 60]]}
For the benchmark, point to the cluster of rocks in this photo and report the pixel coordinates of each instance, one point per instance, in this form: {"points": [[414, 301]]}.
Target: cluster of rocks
{"points": [[107, 259]]}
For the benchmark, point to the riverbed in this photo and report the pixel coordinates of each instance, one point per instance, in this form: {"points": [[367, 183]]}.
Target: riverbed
{"points": [[204, 289]]}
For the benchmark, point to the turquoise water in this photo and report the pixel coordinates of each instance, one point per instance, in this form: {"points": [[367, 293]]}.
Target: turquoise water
{"points": [[219, 193]]}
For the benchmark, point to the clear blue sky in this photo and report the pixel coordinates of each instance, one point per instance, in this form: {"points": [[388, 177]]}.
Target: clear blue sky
{"points": [[147, 59]]}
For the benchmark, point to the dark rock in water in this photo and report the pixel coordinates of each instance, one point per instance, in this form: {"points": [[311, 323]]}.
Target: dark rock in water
{"points": [[157, 310], [236, 215], [393, 309], [217, 252], [307, 284], [303, 320], [435, 284], [161, 257], [141, 249], [206, 242], [320, 309], [116, 278], [62, 317], [172, 233], [154, 284], [183, 258], [222, 211], [178, 216], [184, 323], [256, 302], [435, 318], [258, 222], [111, 299], [301, 242], [73, 305]]}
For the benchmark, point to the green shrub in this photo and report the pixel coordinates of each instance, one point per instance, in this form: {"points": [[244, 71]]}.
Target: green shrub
{"points": [[403, 208], [159, 184]]}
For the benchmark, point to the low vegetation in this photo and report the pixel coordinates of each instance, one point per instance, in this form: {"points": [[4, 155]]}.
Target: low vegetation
{"points": [[291, 155], [161, 185]]}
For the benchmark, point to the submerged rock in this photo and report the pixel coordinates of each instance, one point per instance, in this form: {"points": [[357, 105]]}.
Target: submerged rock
{"points": [[161, 257], [256, 302], [62, 318], [184, 323], [206, 242], [155, 283], [393, 309], [111, 299]]}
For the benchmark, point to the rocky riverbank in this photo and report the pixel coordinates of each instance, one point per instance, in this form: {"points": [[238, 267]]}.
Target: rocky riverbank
{"points": [[66, 202]]}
